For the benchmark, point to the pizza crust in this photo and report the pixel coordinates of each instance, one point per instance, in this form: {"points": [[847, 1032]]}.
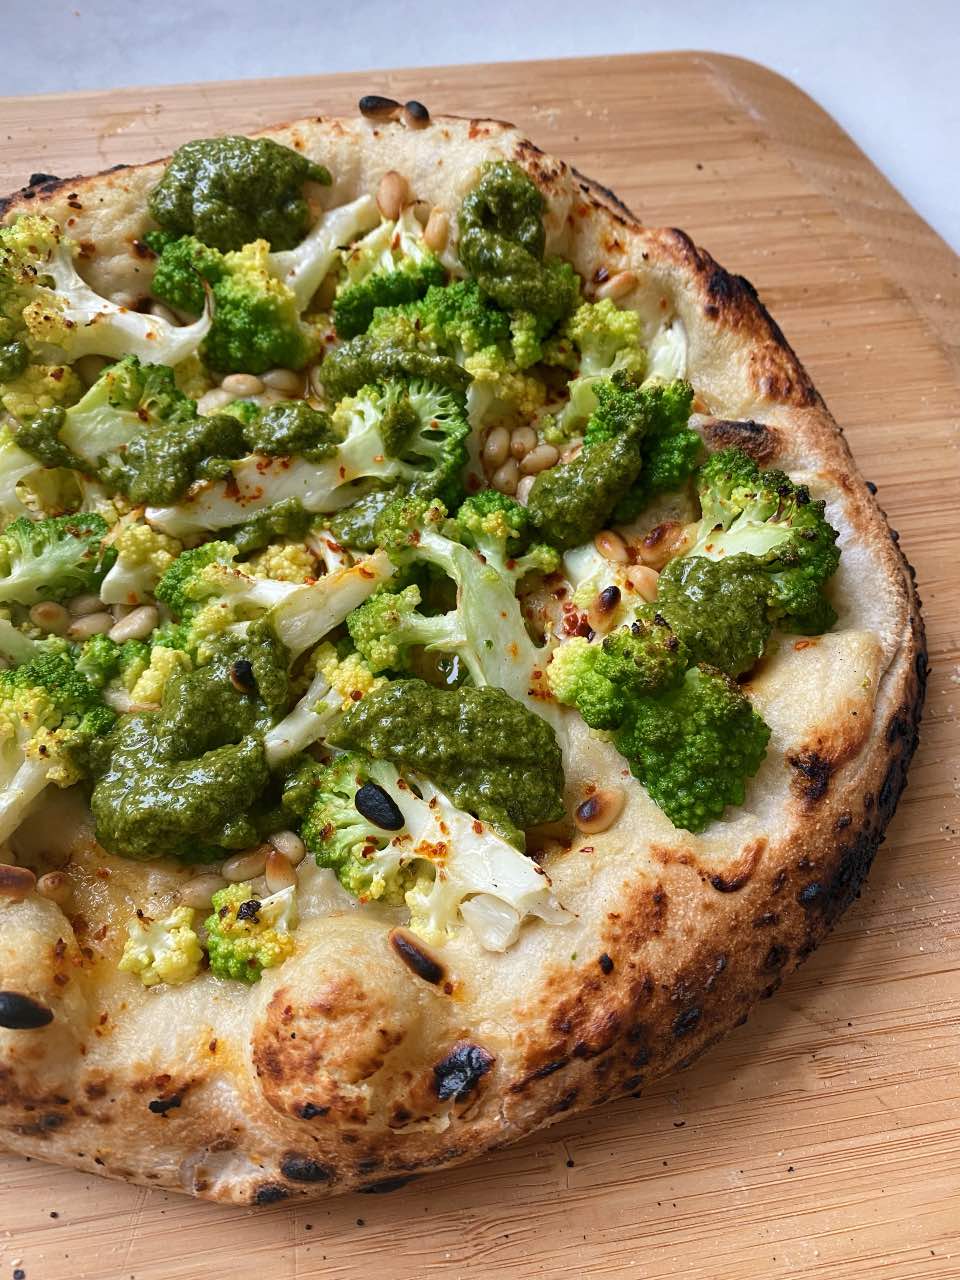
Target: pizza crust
{"points": [[367, 1057]]}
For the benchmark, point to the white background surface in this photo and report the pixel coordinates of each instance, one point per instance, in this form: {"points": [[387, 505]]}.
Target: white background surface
{"points": [[888, 71]]}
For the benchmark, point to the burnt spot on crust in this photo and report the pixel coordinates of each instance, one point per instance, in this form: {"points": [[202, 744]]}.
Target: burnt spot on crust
{"points": [[685, 1022], [22, 1013], [270, 1193], [48, 185], [458, 1074], [160, 1106], [590, 187], [549, 173], [738, 875], [301, 1168], [309, 1111], [760, 442], [812, 776], [416, 957], [605, 963]]}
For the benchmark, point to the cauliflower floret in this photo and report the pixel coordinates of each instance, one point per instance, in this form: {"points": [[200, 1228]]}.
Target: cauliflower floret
{"points": [[283, 561], [166, 950], [143, 556], [149, 684], [350, 677], [499, 388], [40, 386]]}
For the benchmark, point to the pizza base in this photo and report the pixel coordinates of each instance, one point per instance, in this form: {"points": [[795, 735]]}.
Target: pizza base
{"points": [[349, 1066]]}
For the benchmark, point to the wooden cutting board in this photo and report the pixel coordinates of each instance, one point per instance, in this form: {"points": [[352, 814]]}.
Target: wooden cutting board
{"points": [[823, 1139]]}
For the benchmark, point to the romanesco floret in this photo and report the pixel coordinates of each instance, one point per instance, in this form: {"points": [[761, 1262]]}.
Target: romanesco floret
{"points": [[247, 934], [166, 950], [500, 389]]}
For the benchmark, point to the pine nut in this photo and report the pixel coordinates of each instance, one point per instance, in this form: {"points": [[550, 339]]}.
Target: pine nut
{"points": [[92, 624], [16, 882], [213, 401], [284, 380], [618, 285], [137, 625], [611, 546], [522, 440], [643, 580], [523, 489], [290, 845], [55, 886], [572, 451], [89, 368], [507, 477], [539, 459], [81, 605], [198, 892], [496, 447], [599, 811], [662, 543], [50, 617], [437, 231], [374, 107], [415, 115], [246, 865], [163, 313], [242, 384], [271, 396], [280, 874], [392, 194], [258, 887]]}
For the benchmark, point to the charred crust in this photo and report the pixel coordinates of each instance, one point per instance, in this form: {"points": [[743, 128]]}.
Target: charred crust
{"points": [[301, 1168], [270, 1193], [760, 442], [590, 187], [605, 963], [22, 1013], [160, 1106], [310, 1111], [686, 1021], [386, 1185], [416, 957], [458, 1074], [812, 777]]}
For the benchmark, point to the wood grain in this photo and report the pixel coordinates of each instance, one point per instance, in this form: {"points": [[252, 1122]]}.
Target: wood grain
{"points": [[823, 1139]]}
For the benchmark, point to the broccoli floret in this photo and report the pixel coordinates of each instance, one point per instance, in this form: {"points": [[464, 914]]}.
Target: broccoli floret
{"points": [[247, 934], [390, 266], [53, 558], [143, 557], [50, 715], [166, 950], [388, 625], [181, 586], [458, 320], [45, 304], [669, 451], [230, 190], [101, 660]]}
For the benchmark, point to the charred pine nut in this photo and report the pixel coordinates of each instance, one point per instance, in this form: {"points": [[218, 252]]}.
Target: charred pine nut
{"points": [[279, 872], [522, 440], [539, 459], [56, 886], [618, 285], [496, 447], [507, 477], [163, 313], [643, 580], [599, 811], [611, 546], [84, 604], [242, 384], [290, 845], [662, 543], [415, 115], [523, 489], [437, 230], [16, 882], [392, 194], [199, 891], [92, 624], [136, 625], [213, 401], [50, 617], [374, 107], [246, 865], [287, 380]]}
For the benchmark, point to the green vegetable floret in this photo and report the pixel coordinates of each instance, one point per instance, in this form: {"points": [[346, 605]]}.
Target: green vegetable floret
{"points": [[596, 342], [228, 191], [50, 715], [53, 558], [102, 660], [366, 863], [390, 266], [247, 934]]}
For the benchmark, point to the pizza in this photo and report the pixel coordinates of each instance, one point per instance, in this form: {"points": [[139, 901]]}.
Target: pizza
{"points": [[452, 666]]}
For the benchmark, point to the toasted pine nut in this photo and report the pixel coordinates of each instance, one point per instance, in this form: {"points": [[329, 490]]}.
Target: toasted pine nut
{"points": [[89, 603], [415, 115], [374, 107], [523, 489], [163, 313], [242, 384], [89, 368], [137, 625], [246, 865], [287, 380], [611, 546], [199, 891], [290, 845], [56, 886], [507, 477], [16, 882], [539, 459], [618, 285], [279, 872], [271, 396], [437, 230], [91, 624], [213, 401], [599, 811], [522, 440], [572, 451], [496, 447], [50, 617], [643, 580], [662, 543], [392, 194]]}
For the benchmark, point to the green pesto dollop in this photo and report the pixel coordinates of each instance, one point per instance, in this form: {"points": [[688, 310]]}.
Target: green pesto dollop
{"points": [[287, 518], [491, 755], [14, 358], [362, 361], [182, 781], [570, 502], [231, 190], [159, 466], [292, 427], [40, 436]]}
